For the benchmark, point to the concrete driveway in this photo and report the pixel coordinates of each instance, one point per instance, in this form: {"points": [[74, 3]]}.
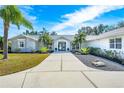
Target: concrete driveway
{"points": [[63, 70]]}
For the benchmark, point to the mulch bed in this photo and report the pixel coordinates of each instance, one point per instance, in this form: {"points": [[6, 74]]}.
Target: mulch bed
{"points": [[110, 65]]}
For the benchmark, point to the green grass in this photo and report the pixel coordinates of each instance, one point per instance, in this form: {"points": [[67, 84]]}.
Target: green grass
{"points": [[20, 62], [1, 56], [1, 51]]}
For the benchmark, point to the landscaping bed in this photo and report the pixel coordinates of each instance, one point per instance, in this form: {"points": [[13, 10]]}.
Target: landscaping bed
{"points": [[1, 51], [19, 62], [109, 65]]}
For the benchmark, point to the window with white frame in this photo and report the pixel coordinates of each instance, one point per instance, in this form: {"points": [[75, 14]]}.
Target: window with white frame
{"points": [[118, 43], [112, 45], [115, 43], [21, 43]]}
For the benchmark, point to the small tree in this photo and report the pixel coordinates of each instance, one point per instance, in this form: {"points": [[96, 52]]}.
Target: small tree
{"points": [[96, 30], [120, 24]]}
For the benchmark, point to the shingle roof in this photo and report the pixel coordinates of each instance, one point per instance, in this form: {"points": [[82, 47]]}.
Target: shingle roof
{"points": [[116, 32], [69, 37], [54, 37], [36, 37]]}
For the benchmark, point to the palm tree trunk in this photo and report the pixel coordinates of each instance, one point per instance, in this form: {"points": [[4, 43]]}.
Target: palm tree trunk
{"points": [[80, 45], [0, 45], [5, 40]]}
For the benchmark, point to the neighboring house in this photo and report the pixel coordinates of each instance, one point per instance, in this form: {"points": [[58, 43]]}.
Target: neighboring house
{"points": [[112, 40]]}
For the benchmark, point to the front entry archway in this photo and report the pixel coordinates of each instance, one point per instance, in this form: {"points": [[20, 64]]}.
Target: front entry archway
{"points": [[61, 46]]}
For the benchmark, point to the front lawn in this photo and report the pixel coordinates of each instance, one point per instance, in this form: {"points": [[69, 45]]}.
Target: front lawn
{"points": [[1, 56], [20, 62]]}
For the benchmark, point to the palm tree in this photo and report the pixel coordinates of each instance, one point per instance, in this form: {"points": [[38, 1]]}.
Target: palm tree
{"points": [[49, 41], [95, 30], [1, 42], [11, 15], [45, 38], [75, 41], [87, 30], [81, 37], [53, 33], [120, 24]]}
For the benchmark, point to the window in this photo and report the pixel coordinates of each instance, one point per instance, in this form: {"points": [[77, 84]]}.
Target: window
{"points": [[21, 44], [116, 43], [111, 43]]}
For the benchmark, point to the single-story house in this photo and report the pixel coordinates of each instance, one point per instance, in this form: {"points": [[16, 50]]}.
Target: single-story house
{"points": [[112, 40], [27, 43]]}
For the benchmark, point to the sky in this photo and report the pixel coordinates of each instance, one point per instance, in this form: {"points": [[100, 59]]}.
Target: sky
{"points": [[66, 19]]}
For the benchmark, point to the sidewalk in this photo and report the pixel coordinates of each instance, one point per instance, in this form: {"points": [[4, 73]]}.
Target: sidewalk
{"points": [[63, 70]]}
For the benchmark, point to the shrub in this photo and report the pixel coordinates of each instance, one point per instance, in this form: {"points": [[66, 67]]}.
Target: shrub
{"points": [[95, 51], [122, 61], [85, 51], [43, 49], [50, 51], [1, 51], [109, 54], [33, 51], [113, 55], [17, 50], [55, 49]]}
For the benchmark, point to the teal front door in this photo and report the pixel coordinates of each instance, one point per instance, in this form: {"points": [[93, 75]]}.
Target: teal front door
{"points": [[62, 46]]}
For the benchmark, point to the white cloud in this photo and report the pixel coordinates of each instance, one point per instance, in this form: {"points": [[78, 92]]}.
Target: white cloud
{"points": [[67, 32], [32, 18], [77, 18], [27, 7]]}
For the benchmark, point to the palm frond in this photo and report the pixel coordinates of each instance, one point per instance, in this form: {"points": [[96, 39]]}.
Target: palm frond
{"points": [[12, 14], [26, 23]]}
